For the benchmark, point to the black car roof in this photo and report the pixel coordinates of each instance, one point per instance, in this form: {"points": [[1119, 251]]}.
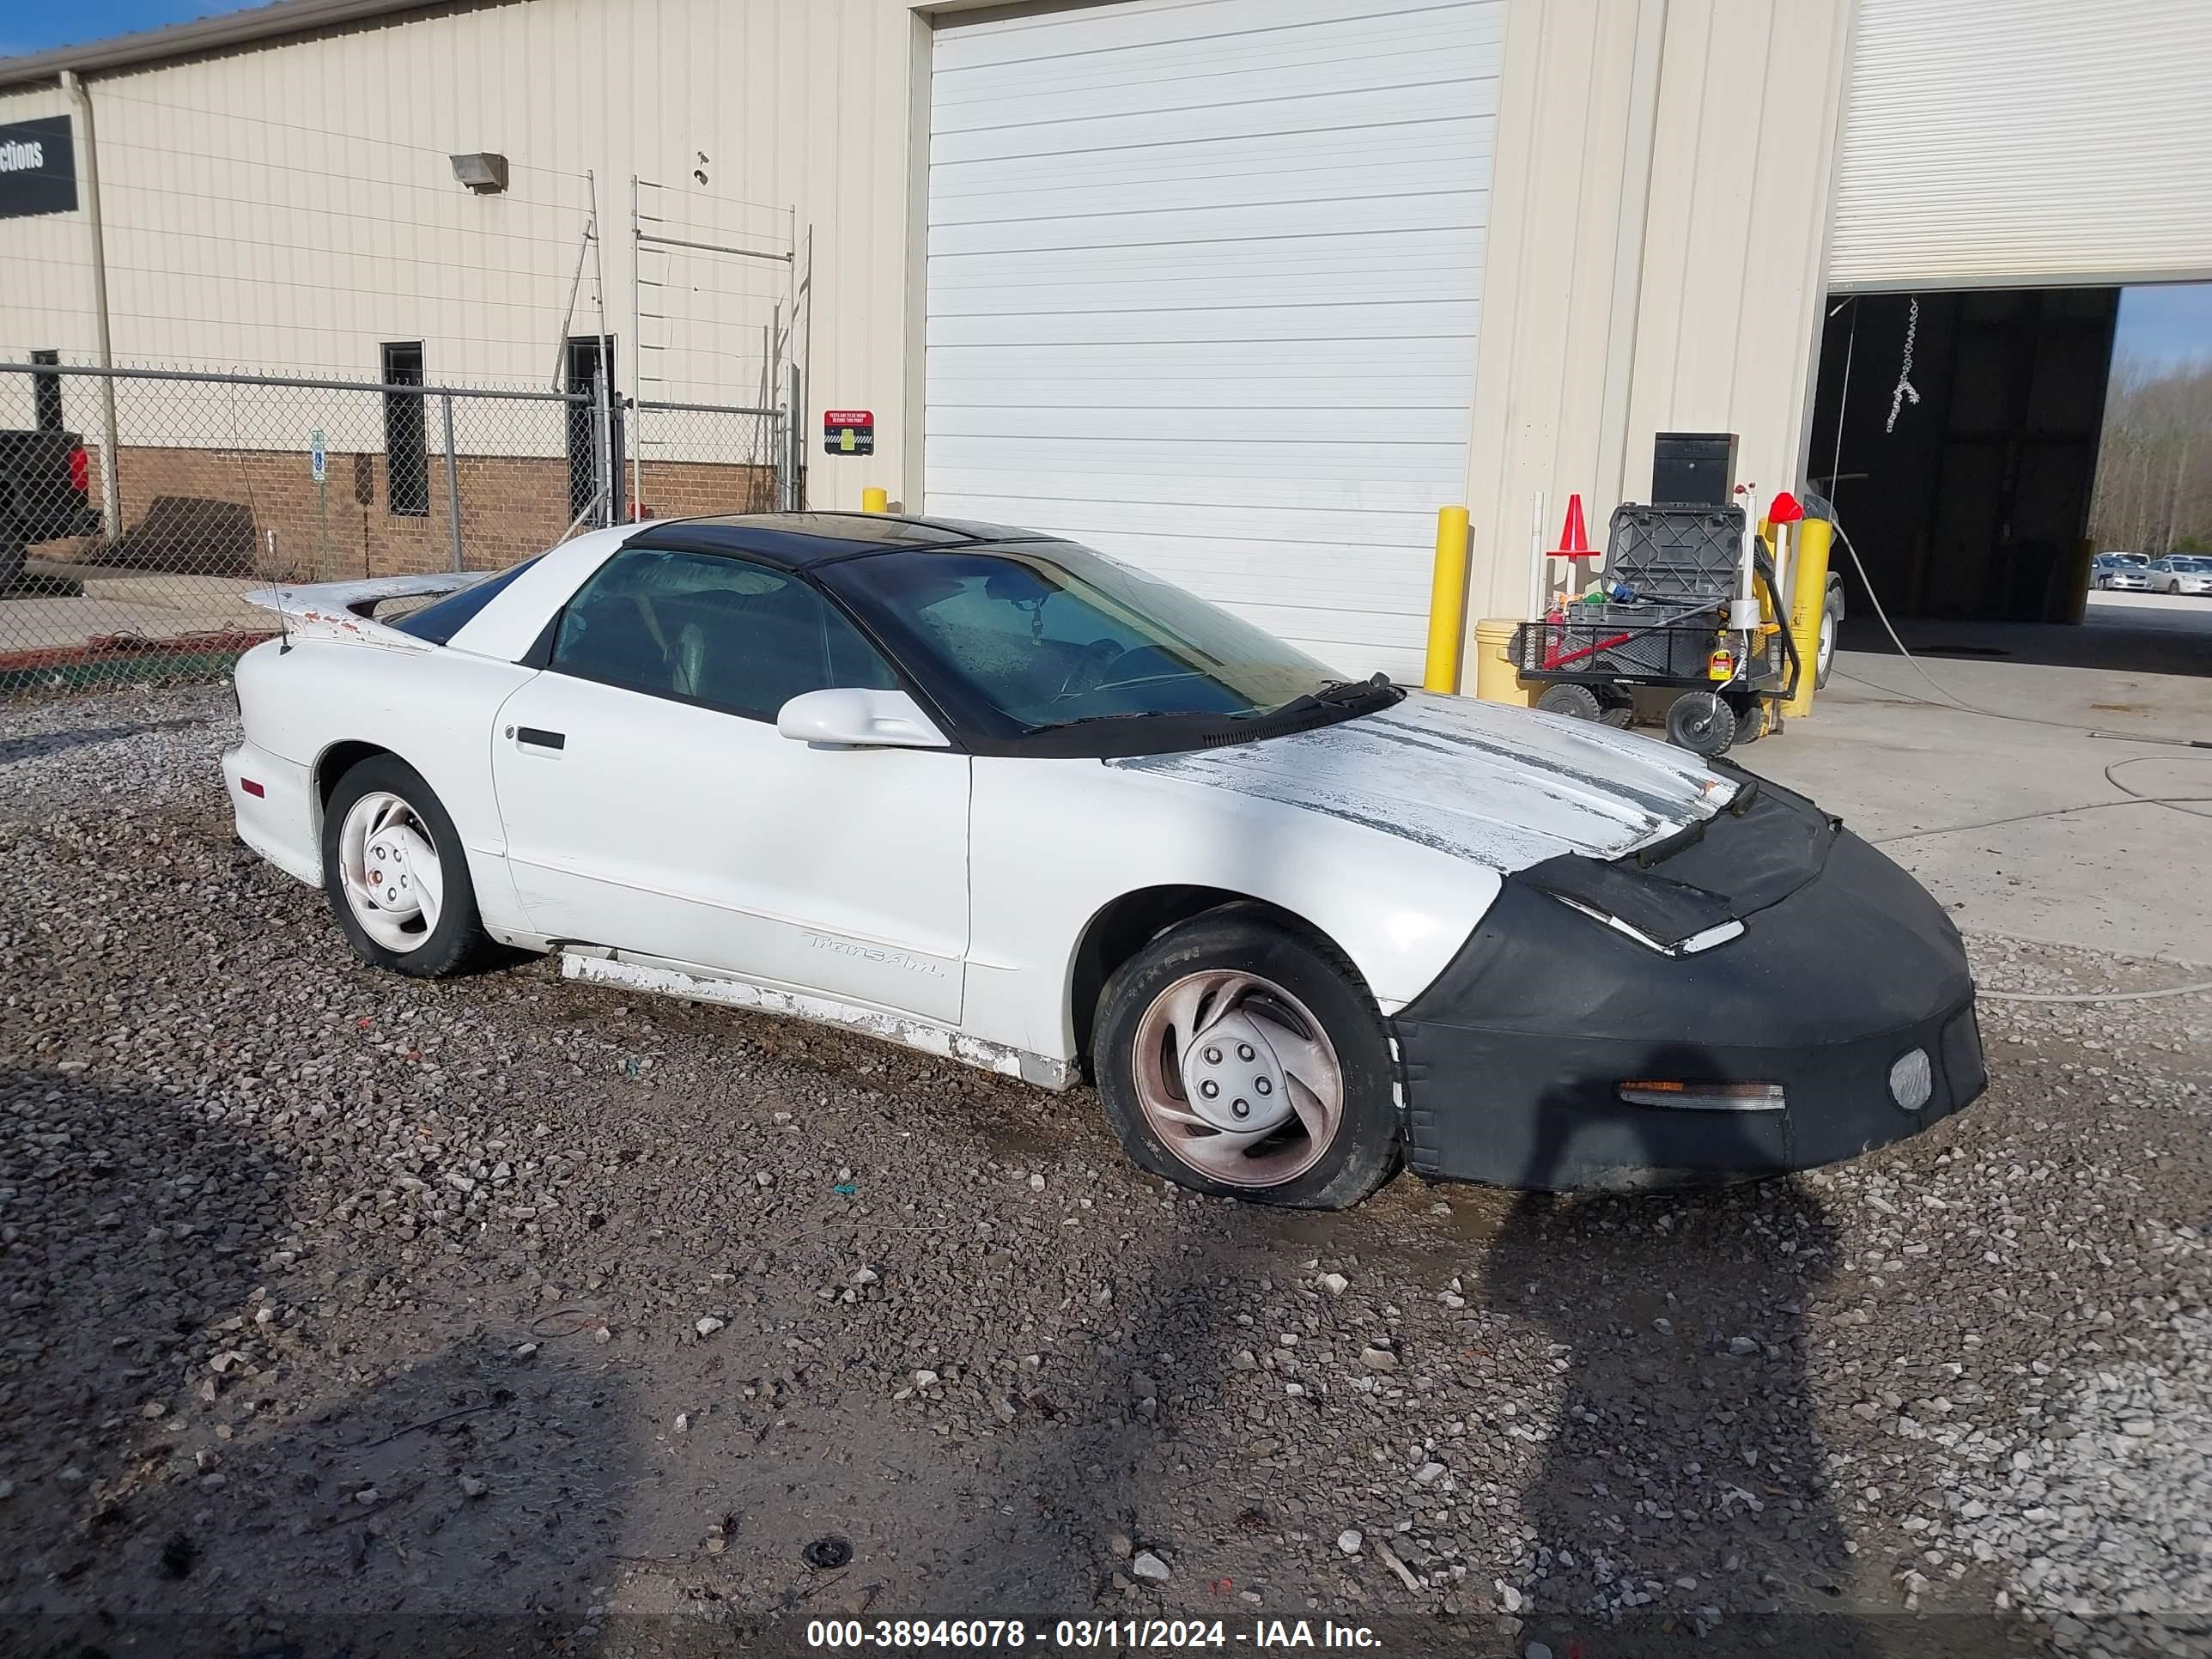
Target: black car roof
{"points": [[794, 541]]}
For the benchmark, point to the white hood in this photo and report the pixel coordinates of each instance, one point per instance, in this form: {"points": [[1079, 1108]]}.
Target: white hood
{"points": [[1500, 787]]}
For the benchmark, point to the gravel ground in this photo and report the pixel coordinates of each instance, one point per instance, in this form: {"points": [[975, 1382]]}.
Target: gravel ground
{"points": [[348, 1314]]}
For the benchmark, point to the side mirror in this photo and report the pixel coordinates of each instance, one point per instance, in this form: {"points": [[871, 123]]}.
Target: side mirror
{"points": [[847, 717]]}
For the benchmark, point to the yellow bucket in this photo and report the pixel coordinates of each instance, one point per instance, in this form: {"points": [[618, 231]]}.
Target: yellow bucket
{"points": [[1496, 677]]}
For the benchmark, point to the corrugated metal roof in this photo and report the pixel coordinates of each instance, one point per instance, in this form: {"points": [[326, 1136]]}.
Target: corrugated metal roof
{"points": [[232, 29]]}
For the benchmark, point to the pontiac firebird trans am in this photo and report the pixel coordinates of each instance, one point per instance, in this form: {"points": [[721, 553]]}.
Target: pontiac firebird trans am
{"points": [[998, 797]]}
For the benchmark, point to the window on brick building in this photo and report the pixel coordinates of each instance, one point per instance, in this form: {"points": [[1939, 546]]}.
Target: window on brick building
{"points": [[46, 394], [406, 461]]}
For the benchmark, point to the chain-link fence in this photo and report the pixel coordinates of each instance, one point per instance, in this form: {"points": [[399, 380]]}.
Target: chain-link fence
{"points": [[131, 561], [294, 352]]}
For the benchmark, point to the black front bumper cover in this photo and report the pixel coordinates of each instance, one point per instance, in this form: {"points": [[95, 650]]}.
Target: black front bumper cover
{"points": [[1513, 1059]]}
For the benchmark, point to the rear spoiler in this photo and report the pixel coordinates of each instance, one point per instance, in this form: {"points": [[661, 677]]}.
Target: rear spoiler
{"points": [[343, 610]]}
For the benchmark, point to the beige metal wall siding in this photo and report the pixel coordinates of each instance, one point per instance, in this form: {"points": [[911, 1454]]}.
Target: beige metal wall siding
{"points": [[44, 301], [2026, 141], [291, 206], [1655, 253]]}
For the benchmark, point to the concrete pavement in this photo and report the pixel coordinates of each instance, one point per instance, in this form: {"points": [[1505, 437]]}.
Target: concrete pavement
{"points": [[149, 604], [2024, 827]]}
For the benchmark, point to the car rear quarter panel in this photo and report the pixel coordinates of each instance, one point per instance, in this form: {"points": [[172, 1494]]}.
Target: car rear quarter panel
{"points": [[435, 709], [1055, 842]]}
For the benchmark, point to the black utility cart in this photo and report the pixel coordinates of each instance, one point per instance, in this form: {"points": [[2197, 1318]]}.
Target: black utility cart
{"points": [[1689, 605]]}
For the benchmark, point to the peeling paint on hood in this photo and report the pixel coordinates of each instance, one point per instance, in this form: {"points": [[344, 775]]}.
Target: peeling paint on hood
{"points": [[1500, 787]]}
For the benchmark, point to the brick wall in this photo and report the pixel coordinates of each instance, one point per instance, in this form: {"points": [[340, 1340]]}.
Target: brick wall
{"points": [[213, 512]]}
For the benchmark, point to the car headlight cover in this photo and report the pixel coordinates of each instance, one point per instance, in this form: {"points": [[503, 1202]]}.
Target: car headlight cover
{"points": [[1912, 1080]]}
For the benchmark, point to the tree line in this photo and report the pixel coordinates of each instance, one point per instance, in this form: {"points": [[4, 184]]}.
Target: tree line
{"points": [[2153, 491]]}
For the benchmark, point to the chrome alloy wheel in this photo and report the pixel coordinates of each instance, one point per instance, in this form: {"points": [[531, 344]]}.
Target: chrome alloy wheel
{"points": [[389, 868], [1237, 1079]]}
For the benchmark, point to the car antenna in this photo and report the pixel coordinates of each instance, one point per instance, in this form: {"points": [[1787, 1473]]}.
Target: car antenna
{"points": [[283, 627]]}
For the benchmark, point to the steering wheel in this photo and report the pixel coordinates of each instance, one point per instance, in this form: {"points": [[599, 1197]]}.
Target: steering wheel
{"points": [[1090, 668]]}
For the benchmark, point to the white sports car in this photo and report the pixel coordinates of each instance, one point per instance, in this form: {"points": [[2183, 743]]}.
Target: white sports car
{"points": [[998, 797]]}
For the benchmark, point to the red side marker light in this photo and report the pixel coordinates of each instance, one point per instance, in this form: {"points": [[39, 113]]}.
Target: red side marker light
{"points": [[252, 789], [79, 466]]}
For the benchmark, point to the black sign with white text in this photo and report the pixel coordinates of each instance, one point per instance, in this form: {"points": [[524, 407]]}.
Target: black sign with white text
{"points": [[38, 167]]}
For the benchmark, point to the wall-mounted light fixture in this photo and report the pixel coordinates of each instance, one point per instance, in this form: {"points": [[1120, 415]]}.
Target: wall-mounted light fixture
{"points": [[482, 171]]}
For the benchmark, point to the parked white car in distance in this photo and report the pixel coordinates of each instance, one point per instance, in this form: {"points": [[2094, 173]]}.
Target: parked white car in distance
{"points": [[2179, 573]]}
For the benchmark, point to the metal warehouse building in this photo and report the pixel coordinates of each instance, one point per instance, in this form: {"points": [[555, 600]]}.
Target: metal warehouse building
{"points": [[1239, 291]]}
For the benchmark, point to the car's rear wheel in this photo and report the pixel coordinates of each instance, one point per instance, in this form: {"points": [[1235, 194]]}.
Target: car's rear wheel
{"points": [[1243, 1059], [1824, 653], [395, 874]]}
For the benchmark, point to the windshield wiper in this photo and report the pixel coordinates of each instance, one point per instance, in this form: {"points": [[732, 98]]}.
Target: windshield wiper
{"points": [[1127, 715], [1336, 693]]}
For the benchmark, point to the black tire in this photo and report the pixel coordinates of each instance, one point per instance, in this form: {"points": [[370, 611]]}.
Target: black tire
{"points": [[1702, 723], [1577, 701], [1824, 649], [13, 557], [1364, 1151], [1617, 710], [458, 941], [1754, 719]]}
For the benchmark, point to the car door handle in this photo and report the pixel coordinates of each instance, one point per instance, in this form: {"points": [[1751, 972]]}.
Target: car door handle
{"points": [[539, 737]]}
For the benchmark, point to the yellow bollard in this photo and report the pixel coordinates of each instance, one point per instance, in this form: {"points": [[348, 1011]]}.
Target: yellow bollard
{"points": [[1496, 676], [873, 499], [1447, 603], [1809, 603]]}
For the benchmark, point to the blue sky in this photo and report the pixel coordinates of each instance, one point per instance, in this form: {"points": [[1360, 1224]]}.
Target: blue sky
{"points": [[33, 29], [2167, 324]]}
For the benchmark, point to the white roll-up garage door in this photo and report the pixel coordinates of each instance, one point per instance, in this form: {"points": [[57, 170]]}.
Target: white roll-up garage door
{"points": [[2041, 142], [1203, 285]]}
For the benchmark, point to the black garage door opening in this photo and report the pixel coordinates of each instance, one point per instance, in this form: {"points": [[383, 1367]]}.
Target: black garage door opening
{"points": [[1956, 434]]}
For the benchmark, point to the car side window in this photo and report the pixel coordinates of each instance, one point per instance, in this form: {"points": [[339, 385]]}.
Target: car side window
{"points": [[724, 633]]}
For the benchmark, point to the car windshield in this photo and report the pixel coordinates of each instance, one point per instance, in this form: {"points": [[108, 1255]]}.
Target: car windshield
{"points": [[2194, 567], [1050, 635]]}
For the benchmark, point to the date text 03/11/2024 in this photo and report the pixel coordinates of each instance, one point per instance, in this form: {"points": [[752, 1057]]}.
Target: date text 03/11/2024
{"points": [[1109, 1634]]}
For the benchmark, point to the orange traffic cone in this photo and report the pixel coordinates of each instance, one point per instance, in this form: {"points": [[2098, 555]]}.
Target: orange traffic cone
{"points": [[1574, 538]]}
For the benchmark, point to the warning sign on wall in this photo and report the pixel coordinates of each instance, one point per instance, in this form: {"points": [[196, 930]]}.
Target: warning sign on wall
{"points": [[848, 431]]}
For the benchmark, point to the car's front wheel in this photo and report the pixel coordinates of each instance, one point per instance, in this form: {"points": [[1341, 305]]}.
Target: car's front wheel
{"points": [[395, 874], [1243, 1059]]}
